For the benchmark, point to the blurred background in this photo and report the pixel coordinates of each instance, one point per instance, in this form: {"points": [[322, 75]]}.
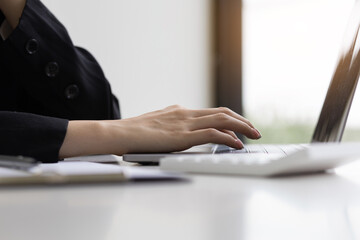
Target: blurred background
{"points": [[157, 53], [291, 48]]}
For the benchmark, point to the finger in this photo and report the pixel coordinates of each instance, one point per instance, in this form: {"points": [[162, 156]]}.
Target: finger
{"points": [[223, 121], [211, 111], [231, 133], [212, 135]]}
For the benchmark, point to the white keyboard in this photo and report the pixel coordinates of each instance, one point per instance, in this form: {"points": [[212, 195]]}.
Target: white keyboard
{"points": [[314, 158]]}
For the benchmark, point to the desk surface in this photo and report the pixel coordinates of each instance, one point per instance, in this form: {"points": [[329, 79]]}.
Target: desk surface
{"points": [[322, 206]]}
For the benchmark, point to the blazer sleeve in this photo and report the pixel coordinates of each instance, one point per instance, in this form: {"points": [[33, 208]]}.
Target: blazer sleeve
{"points": [[31, 135], [45, 82]]}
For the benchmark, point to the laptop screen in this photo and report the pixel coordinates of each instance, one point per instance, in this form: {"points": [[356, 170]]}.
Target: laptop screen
{"points": [[336, 107]]}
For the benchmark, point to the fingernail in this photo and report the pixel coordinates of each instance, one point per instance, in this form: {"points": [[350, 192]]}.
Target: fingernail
{"points": [[257, 134], [239, 144]]}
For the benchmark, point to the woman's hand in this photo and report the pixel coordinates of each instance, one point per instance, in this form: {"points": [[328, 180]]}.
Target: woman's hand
{"points": [[172, 129]]}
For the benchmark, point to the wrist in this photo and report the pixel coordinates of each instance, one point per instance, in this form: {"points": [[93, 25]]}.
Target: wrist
{"points": [[94, 137], [83, 138]]}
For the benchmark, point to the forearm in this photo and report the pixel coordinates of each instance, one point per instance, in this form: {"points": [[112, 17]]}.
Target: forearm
{"points": [[12, 10], [90, 138]]}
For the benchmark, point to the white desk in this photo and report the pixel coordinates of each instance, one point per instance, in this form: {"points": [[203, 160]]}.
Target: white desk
{"points": [[324, 206]]}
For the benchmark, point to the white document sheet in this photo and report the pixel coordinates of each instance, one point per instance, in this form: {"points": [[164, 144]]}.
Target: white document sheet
{"points": [[82, 172]]}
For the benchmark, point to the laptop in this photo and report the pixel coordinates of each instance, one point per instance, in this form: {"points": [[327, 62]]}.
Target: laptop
{"points": [[333, 116]]}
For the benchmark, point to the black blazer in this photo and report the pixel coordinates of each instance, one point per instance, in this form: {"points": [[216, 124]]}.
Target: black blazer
{"points": [[44, 82]]}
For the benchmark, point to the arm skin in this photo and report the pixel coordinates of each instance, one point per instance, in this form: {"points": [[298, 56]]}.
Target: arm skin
{"points": [[171, 129], [12, 10]]}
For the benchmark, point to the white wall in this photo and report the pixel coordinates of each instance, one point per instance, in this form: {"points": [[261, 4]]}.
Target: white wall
{"points": [[154, 52]]}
